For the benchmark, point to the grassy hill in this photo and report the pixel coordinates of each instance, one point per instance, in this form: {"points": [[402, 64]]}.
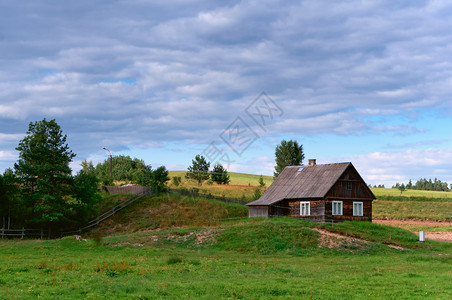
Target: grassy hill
{"points": [[276, 258], [174, 246]]}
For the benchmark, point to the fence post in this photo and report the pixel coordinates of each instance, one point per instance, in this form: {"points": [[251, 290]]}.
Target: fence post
{"points": [[23, 233], [42, 233]]}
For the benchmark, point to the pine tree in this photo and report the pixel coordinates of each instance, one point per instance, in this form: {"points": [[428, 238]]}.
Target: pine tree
{"points": [[219, 174], [199, 169], [43, 169]]}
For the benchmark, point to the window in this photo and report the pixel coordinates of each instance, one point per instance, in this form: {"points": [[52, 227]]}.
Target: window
{"points": [[337, 208], [305, 208], [358, 209], [349, 186]]}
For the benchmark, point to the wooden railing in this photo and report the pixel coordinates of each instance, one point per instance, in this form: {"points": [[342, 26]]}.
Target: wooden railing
{"points": [[21, 233]]}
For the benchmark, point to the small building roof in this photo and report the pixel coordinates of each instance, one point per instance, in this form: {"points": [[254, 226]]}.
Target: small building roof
{"points": [[302, 182]]}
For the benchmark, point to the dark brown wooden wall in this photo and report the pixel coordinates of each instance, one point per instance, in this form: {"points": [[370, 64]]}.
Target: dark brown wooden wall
{"points": [[347, 211], [317, 209], [359, 190]]}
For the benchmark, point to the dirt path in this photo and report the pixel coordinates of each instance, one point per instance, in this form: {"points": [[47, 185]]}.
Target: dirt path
{"points": [[444, 236]]}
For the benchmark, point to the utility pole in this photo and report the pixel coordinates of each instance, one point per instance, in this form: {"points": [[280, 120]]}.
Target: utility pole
{"points": [[111, 163]]}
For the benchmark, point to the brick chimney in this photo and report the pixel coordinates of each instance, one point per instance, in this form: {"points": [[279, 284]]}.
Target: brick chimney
{"points": [[312, 162]]}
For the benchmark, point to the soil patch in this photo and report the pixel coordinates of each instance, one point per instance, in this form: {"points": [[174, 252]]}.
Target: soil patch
{"points": [[443, 236], [334, 240]]}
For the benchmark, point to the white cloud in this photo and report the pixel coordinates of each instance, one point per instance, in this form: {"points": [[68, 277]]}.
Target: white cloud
{"points": [[401, 166], [8, 155], [139, 74]]}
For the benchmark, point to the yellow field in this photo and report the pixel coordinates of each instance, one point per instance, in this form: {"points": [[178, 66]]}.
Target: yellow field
{"points": [[241, 185]]}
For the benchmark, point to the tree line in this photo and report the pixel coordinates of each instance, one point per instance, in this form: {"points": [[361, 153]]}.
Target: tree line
{"points": [[425, 184], [41, 192]]}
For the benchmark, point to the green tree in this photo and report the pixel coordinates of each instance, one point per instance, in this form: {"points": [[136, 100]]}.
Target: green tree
{"points": [[85, 191], [401, 188], [261, 181], [124, 168], [159, 179], [199, 169], [257, 194], [9, 199], [288, 153], [219, 174], [154, 178], [177, 180], [88, 167], [44, 172]]}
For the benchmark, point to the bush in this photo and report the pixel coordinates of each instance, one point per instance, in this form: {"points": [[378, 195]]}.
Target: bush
{"points": [[177, 180]]}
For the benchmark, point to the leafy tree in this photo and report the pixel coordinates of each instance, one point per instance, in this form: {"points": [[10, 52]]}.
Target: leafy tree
{"points": [[44, 172], [86, 192], [219, 174], [288, 153], [154, 178], [124, 168], [159, 178], [261, 181], [199, 170]]}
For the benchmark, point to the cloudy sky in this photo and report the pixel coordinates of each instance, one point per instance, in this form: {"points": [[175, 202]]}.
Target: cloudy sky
{"points": [[363, 81]]}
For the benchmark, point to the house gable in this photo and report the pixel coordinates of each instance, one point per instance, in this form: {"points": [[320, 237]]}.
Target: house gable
{"points": [[350, 185]]}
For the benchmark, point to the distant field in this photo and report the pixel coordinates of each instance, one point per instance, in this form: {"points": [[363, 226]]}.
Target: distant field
{"points": [[241, 185], [236, 178], [410, 193], [412, 204]]}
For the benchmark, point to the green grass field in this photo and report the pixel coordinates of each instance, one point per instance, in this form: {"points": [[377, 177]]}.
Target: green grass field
{"points": [[269, 259]]}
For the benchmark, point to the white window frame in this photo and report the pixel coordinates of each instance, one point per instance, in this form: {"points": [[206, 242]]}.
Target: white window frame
{"points": [[358, 209], [339, 205], [307, 205]]}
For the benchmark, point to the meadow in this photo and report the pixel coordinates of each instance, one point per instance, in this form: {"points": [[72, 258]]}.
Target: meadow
{"points": [[267, 259]]}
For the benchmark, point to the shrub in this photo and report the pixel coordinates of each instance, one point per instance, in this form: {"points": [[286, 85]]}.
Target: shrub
{"points": [[177, 180]]}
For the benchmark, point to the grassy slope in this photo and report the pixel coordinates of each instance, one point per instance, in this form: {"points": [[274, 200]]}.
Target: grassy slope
{"points": [[169, 210], [277, 258]]}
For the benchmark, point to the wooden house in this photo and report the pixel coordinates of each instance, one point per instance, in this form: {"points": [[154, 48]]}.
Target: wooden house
{"points": [[323, 193]]}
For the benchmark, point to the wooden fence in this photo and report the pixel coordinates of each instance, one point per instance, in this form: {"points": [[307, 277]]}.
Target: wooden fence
{"points": [[21, 233], [127, 189], [138, 192]]}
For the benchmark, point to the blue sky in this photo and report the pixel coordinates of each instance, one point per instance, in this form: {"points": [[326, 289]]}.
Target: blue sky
{"points": [[363, 81]]}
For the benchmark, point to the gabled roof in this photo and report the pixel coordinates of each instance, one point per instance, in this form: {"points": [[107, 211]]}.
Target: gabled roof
{"points": [[303, 182]]}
